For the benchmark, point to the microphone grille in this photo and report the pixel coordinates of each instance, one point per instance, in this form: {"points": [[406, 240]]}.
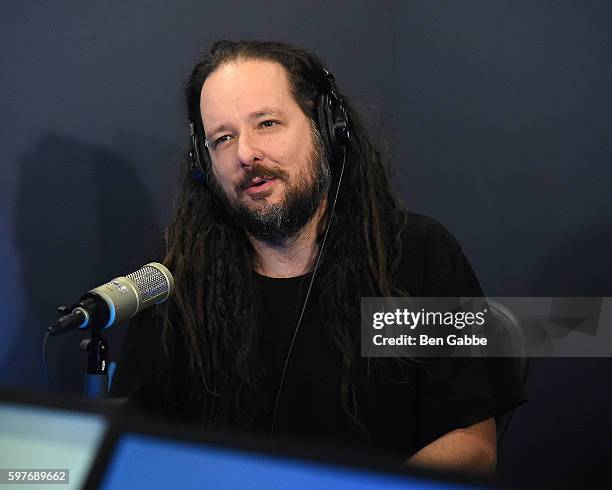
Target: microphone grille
{"points": [[150, 281]]}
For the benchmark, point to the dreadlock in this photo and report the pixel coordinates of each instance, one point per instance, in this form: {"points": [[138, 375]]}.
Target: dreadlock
{"points": [[209, 322]]}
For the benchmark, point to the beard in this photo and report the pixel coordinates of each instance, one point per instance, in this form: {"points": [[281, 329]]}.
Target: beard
{"points": [[276, 223]]}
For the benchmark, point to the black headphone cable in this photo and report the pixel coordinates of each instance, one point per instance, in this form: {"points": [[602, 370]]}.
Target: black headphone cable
{"points": [[299, 322]]}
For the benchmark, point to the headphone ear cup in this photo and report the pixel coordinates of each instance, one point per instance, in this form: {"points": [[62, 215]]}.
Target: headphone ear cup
{"points": [[333, 124], [194, 169], [196, 172], [206, 167], [341, 129], [324, 125], [199, 160]]}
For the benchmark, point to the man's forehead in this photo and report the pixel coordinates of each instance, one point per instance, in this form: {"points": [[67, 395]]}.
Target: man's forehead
{"points": [[242, 88]]}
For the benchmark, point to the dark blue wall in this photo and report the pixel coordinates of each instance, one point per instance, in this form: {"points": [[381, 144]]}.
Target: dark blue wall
{"points": [[498, 116]]}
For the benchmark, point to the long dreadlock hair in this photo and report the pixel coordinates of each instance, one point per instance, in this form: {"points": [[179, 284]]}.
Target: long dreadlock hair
{"points": [[209, 325]]}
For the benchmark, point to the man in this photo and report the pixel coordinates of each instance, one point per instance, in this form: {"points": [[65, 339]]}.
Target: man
{"points": [[284, 221]]}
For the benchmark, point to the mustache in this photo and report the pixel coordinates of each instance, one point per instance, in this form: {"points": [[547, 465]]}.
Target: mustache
{"points": [[260, 171]]}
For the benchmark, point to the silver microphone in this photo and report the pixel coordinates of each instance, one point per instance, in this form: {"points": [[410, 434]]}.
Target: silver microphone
{"points": [[119, 299]]}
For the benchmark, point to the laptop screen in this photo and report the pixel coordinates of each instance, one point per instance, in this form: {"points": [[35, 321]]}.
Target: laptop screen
{"points": [[33, 437], [140, 461]]}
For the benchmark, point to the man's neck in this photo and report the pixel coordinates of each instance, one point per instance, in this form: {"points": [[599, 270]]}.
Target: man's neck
{"points": [[293, 258]]}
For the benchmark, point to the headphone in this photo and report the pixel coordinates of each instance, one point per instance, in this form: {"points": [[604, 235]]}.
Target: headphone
{"points": [[332, 122]]}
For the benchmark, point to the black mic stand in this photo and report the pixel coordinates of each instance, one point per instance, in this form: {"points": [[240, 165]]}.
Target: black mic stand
{"points": [[95, 382]]}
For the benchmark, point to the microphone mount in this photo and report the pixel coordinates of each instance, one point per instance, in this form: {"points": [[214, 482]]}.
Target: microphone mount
{"points": [[95, 383], [89, 312]]}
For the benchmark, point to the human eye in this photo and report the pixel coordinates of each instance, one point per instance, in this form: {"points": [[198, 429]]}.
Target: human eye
{"points": [[268, 123], [214, 143]]}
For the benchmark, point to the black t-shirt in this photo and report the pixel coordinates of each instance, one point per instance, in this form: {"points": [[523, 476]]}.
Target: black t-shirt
{"points": [[403, 407]]}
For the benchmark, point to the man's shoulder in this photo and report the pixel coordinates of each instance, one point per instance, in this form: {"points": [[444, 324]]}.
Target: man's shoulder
{"points": [[432, 256], [426, 232], [422, 222]]}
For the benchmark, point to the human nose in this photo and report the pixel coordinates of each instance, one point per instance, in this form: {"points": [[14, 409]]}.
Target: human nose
{"points": [[249, 151]]}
